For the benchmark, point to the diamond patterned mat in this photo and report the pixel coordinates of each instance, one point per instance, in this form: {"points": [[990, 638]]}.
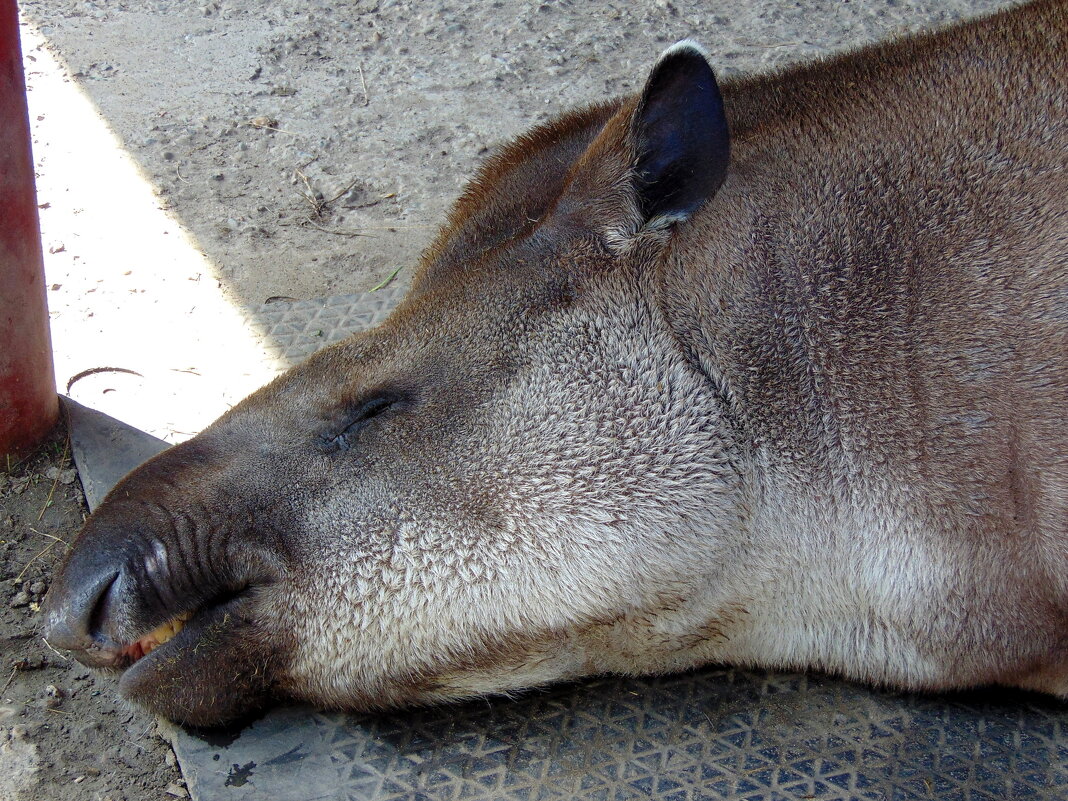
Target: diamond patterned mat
{"points": [[715, 734], [293, 330]]}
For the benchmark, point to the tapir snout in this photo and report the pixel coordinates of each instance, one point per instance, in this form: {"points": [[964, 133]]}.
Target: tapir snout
{"points": [[164, 546]]}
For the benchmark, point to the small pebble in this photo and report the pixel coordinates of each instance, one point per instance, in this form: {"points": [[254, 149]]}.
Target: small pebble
{"points": [[21, 599], [62, 476], [177, 791]]}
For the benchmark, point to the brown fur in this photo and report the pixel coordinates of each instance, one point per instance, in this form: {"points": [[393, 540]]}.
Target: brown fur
{"points": [[816, 423]]}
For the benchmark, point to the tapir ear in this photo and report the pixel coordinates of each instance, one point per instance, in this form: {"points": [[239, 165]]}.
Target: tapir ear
{"points": [[657, 159], [679, 133]]}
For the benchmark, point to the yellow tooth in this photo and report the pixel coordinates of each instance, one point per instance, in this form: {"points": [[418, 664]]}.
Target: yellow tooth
{"points": [[165, 631]]}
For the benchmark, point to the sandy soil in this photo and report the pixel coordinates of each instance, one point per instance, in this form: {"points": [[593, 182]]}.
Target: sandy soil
{"points": [[307, 148], [312, 147], [63, 733]]}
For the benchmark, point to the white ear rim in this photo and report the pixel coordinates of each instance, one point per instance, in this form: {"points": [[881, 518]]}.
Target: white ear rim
{"points": [[685, 46]]}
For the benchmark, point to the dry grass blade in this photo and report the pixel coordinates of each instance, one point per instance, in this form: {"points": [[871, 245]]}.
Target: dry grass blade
{"points": [[48, 645], [338, 196], [10, 679], [310, 195], [46, 534], [387, 281], [55, 481], [318, 227], [36, 556]]}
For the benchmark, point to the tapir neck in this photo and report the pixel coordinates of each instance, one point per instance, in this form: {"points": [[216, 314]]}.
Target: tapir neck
{"points": [[823, 289]]}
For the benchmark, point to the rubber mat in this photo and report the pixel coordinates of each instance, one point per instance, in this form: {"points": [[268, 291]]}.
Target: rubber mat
{"points": [[291, 331], [719, 734], [715, 734]]}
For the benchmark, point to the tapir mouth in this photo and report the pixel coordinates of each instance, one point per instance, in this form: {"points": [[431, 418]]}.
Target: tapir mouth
{"points": [[163, 633], [121, 656], [96, 649], [106, 655]]}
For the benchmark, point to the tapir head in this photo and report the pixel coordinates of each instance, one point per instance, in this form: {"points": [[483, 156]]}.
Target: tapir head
{"points": [[508, 483]]}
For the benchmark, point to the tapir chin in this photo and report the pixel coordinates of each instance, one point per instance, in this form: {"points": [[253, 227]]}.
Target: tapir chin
{"points": [[769, 375]]}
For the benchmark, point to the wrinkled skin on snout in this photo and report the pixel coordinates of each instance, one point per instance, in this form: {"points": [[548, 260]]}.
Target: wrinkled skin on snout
{"points": [[659, 396]]}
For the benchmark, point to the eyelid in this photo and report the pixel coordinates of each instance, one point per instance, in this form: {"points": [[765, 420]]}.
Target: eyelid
{"points": [[335, 438]]}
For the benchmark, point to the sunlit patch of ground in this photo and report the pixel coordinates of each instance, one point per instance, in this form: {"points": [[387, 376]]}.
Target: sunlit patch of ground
{"points": [[141, 328]]}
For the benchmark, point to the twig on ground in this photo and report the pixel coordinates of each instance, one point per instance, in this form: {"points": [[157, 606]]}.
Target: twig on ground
{"points": [[315, 225], [48, 645], [94, 370], [253, 124], [363, 83], [10, 679], [772, 46]]}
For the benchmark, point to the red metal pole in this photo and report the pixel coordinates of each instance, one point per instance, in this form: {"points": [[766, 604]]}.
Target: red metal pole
{"points": [[28, 402]]}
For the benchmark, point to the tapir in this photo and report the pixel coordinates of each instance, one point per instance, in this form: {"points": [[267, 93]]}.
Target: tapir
{"points": [[769, 374]]}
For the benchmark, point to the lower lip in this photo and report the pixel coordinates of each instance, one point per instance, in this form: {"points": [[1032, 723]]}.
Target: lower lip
{"points": [[133, 669]]}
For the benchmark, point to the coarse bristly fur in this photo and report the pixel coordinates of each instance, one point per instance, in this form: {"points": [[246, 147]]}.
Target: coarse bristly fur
{"points": [[659, 397]]}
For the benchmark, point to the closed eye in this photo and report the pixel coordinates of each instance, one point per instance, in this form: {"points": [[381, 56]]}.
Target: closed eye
{"points": [[341, 439]]}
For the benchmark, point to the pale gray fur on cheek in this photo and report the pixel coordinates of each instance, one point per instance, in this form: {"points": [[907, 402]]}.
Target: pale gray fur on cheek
{"points": [[566, 501]]}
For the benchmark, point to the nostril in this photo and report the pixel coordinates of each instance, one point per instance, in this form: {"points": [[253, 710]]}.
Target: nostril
{"points": [[73, 615]]}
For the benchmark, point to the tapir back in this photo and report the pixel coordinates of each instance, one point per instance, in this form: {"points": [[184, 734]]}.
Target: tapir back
{"points": [[882, 297]]}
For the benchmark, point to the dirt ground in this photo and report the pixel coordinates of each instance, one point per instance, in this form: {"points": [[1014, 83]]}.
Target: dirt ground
{"points": [[307, 148], [63, 733], [312, 147]]}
